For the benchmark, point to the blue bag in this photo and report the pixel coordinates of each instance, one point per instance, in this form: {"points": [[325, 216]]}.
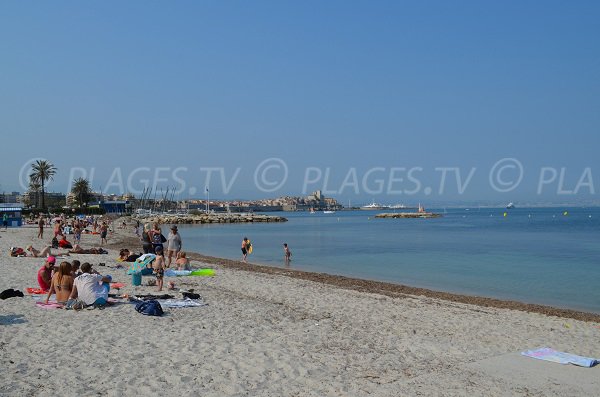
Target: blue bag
{"points": [[149, 308]]}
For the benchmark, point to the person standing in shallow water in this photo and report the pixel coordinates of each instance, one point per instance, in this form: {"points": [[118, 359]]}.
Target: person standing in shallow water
{"points": [[245, 248], [287, 254]]}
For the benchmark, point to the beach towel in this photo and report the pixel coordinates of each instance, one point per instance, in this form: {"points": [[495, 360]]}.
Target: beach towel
{"points": [[548, 354], [177, 273], [176, 303], [116, 285]]}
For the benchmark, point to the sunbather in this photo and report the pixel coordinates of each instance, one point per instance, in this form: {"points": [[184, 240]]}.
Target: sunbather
{"points": [[78, 250], [39, 254], [62, 283]]}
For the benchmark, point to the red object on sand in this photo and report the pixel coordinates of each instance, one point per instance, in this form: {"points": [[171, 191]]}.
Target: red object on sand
{"points": [[36, 291]]}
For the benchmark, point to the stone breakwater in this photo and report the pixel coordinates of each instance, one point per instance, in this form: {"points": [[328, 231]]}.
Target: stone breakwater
{"points": [[408, 215], [210, 218]]}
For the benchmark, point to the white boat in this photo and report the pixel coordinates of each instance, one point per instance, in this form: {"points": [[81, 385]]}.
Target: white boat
{"points": [[328, 212], [510, 206], [398, 207], [374, 206]]}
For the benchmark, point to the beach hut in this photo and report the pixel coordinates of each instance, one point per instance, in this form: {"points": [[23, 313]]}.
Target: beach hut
{"points": [[13, 213]]}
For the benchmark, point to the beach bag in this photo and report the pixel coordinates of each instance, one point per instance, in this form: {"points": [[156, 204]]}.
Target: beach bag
{"points": [[149, 308]]}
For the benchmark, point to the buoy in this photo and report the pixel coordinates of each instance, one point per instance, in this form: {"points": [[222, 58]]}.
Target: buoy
{"points": [[505, 214], [565, 213]]}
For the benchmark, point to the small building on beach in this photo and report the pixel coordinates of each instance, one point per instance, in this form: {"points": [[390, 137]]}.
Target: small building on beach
{"points": [[13, 213]]}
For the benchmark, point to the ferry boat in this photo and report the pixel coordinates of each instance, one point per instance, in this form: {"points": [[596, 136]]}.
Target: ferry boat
{"points": [[374, 206]]}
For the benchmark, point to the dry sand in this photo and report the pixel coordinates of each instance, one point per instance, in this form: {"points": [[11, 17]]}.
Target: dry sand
{"points": [[269, 334]]}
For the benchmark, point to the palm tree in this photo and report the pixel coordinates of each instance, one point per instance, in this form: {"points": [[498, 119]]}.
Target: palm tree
{"points": [[42, 171], [81, 190], [34, 191]]}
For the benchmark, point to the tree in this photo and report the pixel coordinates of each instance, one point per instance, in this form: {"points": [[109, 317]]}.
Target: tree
{"points": [[34, 191], [81, 191], [41, 172]]}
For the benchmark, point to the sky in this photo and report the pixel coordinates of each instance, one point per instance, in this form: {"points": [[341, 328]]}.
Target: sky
{"points": [[394, 102]]}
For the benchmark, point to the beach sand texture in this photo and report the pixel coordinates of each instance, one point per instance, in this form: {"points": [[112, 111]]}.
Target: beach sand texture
{"points": [[272, 335]]}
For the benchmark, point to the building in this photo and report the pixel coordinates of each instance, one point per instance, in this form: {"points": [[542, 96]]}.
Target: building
{"points": [[11, 198], [34, 199], [14, 213], [114, 207]]}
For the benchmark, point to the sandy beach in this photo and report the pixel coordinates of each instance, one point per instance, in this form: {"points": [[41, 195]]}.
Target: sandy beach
{"points": [[282, 333]]}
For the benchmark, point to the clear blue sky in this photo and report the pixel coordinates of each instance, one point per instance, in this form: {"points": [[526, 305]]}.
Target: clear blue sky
{"points": [[344, 85]]}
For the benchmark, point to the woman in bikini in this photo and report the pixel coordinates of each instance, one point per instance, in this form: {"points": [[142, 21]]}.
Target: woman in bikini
{"points": [[62, 283]]}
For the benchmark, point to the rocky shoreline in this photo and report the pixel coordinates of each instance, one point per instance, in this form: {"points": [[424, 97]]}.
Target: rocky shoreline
{"points": [[210, 218]]}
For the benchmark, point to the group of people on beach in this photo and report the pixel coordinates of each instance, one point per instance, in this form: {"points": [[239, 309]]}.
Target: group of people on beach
{"points": [[63, 226], [73, 283]]}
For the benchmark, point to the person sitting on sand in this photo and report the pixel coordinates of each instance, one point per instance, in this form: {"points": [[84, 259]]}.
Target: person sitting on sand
{"points": [[44, 274], [63, 243], [91, 287], [182, 262], [75, 268], [62, 283]]}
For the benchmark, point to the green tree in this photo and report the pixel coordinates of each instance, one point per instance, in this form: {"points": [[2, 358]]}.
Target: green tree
{"points": [[41, 172], [34, 191], [81, 191]]}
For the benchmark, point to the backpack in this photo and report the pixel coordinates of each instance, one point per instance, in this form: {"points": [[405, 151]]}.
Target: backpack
{"points": [[149, 308]]}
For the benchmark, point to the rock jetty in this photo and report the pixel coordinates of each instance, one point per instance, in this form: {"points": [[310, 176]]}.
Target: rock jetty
{"points": [[408, 215], [210, 218]]}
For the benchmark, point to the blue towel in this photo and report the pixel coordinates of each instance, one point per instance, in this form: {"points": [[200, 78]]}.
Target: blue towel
{"points": [[548, 354]]}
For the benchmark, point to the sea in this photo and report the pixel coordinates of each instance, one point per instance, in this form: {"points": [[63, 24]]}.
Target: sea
{"points": [[548, 256]]}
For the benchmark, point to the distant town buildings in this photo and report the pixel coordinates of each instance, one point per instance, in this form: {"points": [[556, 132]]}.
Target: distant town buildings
{"points": [[316, 201]]}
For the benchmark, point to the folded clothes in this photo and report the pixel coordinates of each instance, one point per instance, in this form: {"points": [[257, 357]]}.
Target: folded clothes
{"points": [[10, 293]]}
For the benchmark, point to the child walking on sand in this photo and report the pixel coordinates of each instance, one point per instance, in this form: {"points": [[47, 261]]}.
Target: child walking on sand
{"points": [[159, 268]]}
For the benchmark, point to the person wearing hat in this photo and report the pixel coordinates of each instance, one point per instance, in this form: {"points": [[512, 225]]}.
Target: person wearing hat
{"points": [[44, 275], [91, 287], [173, 244]]}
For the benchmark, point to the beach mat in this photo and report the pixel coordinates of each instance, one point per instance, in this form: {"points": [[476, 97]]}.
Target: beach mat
{"points": [[548, 354]]}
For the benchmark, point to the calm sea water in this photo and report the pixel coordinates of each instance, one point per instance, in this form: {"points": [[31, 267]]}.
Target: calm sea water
{"points": [[531, 255]]}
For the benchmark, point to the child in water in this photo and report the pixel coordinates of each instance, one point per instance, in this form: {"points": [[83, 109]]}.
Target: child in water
{"points": [[287, 254]]}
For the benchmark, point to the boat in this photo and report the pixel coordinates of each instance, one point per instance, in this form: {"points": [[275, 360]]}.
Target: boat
{"points": [[374, 206], [398, 207], [328, 212], [510, 206]]}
